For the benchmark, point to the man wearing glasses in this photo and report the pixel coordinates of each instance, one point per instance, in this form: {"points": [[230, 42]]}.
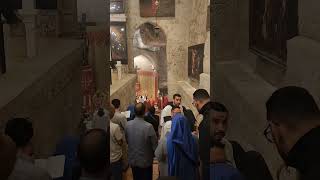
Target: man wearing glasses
{"points": [[294, 127]]}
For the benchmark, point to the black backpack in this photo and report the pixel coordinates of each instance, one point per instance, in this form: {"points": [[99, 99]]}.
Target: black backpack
{"points": [[251, 164]]}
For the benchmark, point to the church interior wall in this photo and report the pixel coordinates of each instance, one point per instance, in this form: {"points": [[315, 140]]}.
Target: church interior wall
{"points": [[243, 81], [176, 29], [49, 94]]}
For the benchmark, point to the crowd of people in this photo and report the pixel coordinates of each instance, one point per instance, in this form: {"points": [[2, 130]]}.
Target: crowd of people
{"points": [[184, 149]]}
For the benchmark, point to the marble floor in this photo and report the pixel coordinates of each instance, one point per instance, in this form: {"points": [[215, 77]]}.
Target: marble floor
{"points": [[128, 174]]}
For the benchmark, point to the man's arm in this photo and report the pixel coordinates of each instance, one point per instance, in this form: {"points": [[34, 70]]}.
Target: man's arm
{"points": [[118, 136], [153, 137], [123, 121]]}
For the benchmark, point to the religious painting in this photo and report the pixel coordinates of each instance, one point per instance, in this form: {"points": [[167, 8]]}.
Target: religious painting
{"points": [[118, 42], [157, 8], [272, 23], [116, 6], [195, 61]]}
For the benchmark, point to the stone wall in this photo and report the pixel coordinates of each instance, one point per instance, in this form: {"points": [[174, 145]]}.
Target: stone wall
{"points": [[304, 49], [176, 30], [243, 82], [46, 89], [124, 90], [198, 34]]}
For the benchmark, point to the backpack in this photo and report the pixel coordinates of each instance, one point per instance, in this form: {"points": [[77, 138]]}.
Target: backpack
{"points": [[251, 164]]}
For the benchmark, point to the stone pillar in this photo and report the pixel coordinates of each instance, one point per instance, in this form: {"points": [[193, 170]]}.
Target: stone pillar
{"points": [[119, 68], [29, 14], [99, 55]]}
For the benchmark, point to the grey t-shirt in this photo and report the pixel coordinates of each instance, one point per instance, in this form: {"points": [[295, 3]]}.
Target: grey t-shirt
{"points": [[142, 142]]}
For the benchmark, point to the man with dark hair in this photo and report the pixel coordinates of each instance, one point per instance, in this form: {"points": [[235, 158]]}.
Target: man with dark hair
{"points": [[118, 118], [116, 103], [294, 127], [93, 155], [201, 100], [251, 164], [117, 149], [20, 130], [166, 112], [142, 142]]}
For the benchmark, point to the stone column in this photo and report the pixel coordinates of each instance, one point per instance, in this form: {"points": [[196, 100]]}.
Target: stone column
{"points": [[29, 14], [99, 54], [119, 68]]}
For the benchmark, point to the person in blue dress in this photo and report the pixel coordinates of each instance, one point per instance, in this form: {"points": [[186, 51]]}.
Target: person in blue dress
{"points": [[183, 158]]}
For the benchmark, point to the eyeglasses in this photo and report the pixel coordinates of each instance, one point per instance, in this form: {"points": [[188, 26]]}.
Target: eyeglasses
{"points": [[268, 133]]}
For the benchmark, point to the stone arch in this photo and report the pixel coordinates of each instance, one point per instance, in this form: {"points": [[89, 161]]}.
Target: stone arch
{"points": [[150, 40]]}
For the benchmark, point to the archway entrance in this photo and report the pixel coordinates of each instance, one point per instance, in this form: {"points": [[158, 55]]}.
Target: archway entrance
{"points": [[149, 50]]}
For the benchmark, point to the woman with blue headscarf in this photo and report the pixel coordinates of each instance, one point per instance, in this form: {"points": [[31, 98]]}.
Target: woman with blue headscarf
{"points": [[182, 150]]}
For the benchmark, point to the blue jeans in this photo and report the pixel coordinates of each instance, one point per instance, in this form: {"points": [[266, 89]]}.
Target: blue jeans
{"points": [[116, 170]]}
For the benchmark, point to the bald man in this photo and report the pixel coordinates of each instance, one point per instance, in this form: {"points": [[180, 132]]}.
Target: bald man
{"points": [[8, 153], [142, 143], [94, 155]]}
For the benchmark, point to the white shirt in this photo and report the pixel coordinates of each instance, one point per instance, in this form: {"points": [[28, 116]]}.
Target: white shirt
{"points": [[165, 129], [26, 170], [166, 111], [120, 119], [116, 136]]}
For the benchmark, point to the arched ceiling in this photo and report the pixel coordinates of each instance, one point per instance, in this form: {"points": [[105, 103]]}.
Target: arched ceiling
{"points": [[149, 36]]}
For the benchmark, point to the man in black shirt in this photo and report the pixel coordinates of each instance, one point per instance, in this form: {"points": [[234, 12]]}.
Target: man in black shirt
{"points": [[201, 100], [294, 127]]}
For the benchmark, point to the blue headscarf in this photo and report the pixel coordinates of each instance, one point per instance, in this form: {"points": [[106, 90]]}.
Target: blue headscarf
{"points": [[182, 150]]}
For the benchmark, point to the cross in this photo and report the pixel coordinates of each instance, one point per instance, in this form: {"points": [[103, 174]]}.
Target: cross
{"points": [[7, 11]]}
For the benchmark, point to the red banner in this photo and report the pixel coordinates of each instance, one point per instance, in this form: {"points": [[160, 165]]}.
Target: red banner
{"points": [[88, 87]]}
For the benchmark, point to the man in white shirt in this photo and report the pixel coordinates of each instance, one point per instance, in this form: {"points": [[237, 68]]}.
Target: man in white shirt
{"points": [[121, 121], [20, 130], [166, 112], [118, 118], [116, 142]]}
